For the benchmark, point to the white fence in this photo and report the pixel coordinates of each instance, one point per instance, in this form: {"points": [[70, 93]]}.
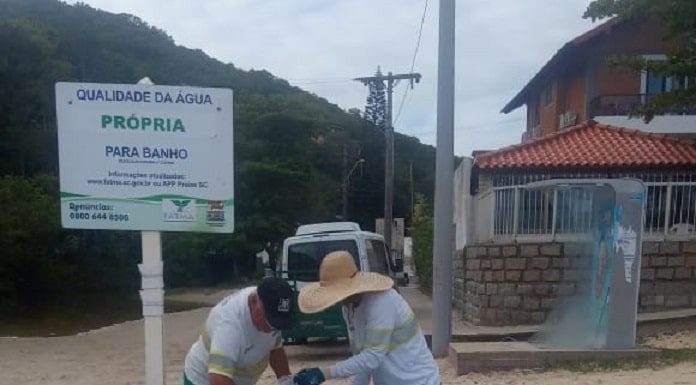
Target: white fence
{"points": [[508, 212]]}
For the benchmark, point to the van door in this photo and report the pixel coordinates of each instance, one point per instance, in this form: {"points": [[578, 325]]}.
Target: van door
{"points": [[377, 256]]}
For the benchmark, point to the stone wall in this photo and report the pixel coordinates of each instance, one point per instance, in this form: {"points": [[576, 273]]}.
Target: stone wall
{"points": [[522, 283], [668, 276]]}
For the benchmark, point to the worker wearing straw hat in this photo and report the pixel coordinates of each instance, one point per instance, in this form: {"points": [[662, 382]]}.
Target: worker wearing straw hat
{"points": [[385, 337]]}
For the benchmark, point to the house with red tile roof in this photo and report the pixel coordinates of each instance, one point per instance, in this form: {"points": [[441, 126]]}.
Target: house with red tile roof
{"points": [[578, 83], [526, 250], [522, 251]]}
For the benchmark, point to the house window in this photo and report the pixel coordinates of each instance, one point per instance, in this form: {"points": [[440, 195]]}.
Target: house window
{"points": [[548, 95], [658, 83], [683, 82], [654, 83]]}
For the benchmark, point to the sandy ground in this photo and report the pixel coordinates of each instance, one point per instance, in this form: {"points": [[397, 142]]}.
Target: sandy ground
{"points": [[115, 355], [684, 339]]}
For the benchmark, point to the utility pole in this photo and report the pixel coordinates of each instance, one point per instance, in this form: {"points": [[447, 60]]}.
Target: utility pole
{"points": [[392, 80], [444, 184], [410, 177]]}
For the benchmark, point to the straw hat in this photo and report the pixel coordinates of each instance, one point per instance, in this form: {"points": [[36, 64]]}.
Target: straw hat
{"points": [[339, 278]]}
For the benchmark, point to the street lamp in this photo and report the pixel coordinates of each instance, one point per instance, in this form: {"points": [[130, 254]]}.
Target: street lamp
{"points": [[346, 180]]}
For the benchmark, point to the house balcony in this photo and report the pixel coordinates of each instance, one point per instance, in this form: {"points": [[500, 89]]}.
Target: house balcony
{"points": [[615, 110]]}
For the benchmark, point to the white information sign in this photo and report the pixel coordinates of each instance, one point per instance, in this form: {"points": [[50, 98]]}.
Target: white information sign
{"points": [[145, 157]]}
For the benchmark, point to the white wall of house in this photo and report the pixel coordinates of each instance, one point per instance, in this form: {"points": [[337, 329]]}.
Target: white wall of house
{"points": [[661, 124], [463, 207]]}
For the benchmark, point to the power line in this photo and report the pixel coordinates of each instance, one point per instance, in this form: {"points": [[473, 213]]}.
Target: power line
{"points": [[413, 61], [420, 34]]}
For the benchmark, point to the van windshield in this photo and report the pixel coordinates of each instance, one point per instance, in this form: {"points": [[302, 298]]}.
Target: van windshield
{"points": [[305, 258]]}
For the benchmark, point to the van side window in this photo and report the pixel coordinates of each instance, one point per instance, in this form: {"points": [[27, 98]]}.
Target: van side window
{"points": [[377, 256]]}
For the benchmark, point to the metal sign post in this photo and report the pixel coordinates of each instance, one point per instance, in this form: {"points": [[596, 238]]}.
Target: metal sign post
{"points": [[152, 296]]}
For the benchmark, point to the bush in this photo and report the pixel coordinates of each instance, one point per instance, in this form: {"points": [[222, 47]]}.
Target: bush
{"points": [[41, 260], [33, 248], [422, 234]]}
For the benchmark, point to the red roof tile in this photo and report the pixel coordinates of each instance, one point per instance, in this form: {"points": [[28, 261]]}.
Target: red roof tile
{"points": [[590, 145]]}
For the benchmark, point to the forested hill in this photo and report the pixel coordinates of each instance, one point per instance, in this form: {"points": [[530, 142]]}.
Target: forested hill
{"points": [[288, 146]]}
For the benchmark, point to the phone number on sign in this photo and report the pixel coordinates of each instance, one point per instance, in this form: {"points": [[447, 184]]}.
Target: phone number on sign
{"points": [[100, 217]]}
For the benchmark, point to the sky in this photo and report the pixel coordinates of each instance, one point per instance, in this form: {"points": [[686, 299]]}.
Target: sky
{"points": [[320, 45]]}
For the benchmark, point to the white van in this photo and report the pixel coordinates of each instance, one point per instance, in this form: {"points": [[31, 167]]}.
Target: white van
{"points": [[303, 253], [299, 265]]}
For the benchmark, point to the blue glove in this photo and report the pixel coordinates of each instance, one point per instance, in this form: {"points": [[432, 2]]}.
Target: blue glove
{"points": [[309, 376]]}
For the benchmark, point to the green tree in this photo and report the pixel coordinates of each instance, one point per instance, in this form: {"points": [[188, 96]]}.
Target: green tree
{"points": [[34, 249], [283, 175], [376, 108], [28, 67], [680, 18], [38, 259], [422, 234]]}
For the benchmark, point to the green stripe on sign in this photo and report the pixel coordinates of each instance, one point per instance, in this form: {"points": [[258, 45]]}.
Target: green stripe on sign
{"points": [[101, 199], [65, 194], [146, 200]]}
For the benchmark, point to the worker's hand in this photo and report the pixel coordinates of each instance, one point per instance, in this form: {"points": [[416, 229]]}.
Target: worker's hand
{"points": [[285, 380], [310, 376]]}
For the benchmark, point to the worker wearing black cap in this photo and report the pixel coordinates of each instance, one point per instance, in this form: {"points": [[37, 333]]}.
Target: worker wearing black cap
{"points": [[241, 336]]}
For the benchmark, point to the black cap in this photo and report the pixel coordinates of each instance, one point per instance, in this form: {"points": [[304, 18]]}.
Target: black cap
{"points": [[277, 298]]}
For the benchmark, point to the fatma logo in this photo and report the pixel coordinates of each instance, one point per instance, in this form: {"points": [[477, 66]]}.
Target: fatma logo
{"points": [[180, 204], [178, 210]]}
